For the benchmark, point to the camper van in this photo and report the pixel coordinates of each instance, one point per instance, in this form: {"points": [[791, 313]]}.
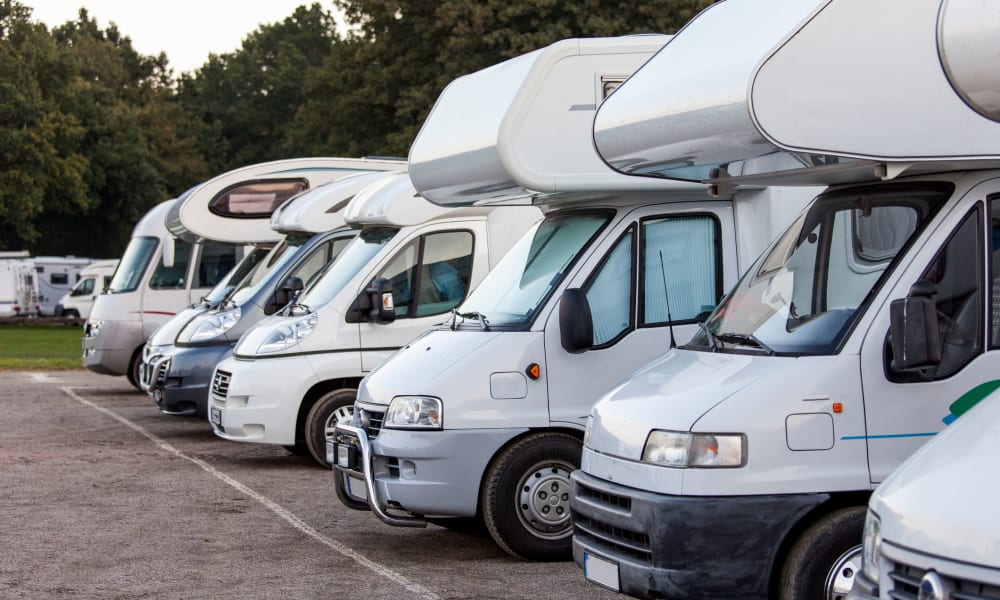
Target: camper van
{"points": [[178, 360], [56, 276], [18, 291], [739, 465], [293, 375], [194, 242], [483, 416], [94, 279]]}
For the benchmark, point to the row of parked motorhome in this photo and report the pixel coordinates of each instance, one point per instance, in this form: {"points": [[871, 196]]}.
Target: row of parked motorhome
{"points": [[678, 328], [61, 286]]}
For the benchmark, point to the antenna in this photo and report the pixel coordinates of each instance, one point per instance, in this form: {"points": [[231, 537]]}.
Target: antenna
{"points": [[666, 294]]}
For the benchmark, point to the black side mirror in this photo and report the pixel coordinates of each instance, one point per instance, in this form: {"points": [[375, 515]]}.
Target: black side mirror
{"points": [[914, 331], [373, 304], [288, 291], [576, 324]]}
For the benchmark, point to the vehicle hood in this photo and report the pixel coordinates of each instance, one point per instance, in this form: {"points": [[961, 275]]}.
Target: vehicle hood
{"points": [[672, 393], [168, 332], [942, 500]]}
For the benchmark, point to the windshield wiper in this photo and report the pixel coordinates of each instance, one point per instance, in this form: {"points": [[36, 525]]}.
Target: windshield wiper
{"points": [[455, 315], [745, 339], [712, 345]]}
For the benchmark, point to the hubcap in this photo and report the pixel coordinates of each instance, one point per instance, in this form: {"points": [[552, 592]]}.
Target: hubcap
{"points": [[543, 500], [841, 577], [344, 414]]}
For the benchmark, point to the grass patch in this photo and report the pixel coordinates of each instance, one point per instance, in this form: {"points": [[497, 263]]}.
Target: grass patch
{"points": [[40, 348]]}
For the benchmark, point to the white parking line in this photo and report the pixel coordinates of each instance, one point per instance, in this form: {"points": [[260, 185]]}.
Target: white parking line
{"points": [[414, 588]]}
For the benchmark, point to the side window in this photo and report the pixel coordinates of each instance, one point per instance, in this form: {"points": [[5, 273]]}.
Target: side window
{"points": [[84, 288], [401, 272], [957, 273], [609, 292], [172, 278], [994, 240], [216, 260], [680, 266], [431, 275], [59, 278]]}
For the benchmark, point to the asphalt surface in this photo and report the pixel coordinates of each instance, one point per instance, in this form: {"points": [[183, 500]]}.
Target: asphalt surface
{"points": [[101, 496]]}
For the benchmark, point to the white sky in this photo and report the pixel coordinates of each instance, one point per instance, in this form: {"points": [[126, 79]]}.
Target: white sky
{"points": [[186, 30]]}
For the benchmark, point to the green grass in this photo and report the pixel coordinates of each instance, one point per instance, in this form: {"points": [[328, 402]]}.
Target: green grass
{"points": [[40, 347]]}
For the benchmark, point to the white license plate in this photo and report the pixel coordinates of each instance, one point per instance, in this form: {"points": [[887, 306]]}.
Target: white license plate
{"points": [[217, 416], [601, 571], [356, 488]]}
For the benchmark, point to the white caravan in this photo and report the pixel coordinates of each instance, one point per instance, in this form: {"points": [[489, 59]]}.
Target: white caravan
{"points": [[94, 279], [739, 465], [55, 277], [484, 416], [179, 359], [931, 529], [160, 275], [18, 291], [294, 374]]}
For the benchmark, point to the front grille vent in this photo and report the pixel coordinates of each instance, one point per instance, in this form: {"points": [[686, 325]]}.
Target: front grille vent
{"points": [[621, 503], [620, 541], [220, 383], [372, 422], [906, 585]]}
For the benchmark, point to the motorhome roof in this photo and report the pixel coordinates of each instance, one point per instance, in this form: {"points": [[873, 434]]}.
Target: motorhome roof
{"points": [[322, 208], [152, 223], [236, 206], [811, 92], [393, 201], [524, 126]]}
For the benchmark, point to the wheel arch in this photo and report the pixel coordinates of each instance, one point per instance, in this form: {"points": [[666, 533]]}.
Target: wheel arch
{"points": [[315, 393]]}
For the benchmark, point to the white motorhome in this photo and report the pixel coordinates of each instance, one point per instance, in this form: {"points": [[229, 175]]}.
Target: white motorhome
{"points": [[94, 279], [179, 359], [55, 277], [160, 275], [484, 416], [293, 375], [18, 289], [740, 464]]}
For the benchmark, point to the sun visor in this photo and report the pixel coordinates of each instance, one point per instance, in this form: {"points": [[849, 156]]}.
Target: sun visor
{"points": [[237, 206], [393, 202], [523, 126], [811, 93], [321, 209]]}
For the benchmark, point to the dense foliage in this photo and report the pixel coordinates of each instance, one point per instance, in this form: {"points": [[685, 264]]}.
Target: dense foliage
{"points": [[92, 133]]}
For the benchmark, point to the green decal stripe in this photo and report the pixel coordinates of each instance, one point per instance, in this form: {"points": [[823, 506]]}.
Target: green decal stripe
{"points": [[972, 397]]}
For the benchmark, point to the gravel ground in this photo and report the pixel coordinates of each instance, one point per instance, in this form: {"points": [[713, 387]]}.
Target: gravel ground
{"points": [[101, 496]]}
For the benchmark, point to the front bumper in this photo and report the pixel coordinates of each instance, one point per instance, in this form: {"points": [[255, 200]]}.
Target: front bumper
{"points": [[110, 351], [680, 547], [425, 473], [178, 379]]}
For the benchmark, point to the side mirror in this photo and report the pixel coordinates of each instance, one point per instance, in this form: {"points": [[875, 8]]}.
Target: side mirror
{"points": [[374, 304], [288, 291], [168, 251], [914, 329], [576, 324]]}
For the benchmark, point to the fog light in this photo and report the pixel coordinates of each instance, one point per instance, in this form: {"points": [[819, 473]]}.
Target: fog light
{"points": [[344, 456], [329, 451]]}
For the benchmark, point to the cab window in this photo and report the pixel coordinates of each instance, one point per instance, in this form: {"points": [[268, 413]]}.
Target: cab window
{"points": [[609, 292], [215, 262], [173, 278], [680, 269], [431, 275]]}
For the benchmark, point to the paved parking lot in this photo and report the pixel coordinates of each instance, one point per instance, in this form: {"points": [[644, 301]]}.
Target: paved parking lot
{"points": [[101, 496]]}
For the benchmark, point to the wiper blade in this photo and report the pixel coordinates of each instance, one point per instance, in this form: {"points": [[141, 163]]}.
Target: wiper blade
{"points": [[712, 345], [745, 339], [455, 315]]}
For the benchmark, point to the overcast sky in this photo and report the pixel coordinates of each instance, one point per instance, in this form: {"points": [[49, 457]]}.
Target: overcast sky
{"points": [[187, 30]]}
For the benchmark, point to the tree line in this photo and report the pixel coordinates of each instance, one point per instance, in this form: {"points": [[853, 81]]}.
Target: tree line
{"points": [[93, 133]]}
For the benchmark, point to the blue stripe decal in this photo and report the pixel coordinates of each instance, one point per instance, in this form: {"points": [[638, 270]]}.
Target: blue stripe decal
{"points": [[886, 436]]}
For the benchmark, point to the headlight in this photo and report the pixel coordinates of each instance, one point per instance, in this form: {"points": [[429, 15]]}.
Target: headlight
{"points": [[682, 449], [288, 334], [93, 328], [872, 540], [413, 412], [211, 326]]}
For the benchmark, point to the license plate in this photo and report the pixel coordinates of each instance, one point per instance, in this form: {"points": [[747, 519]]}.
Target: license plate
{"points": [[601, 571], [217, 416], [356, 488]]}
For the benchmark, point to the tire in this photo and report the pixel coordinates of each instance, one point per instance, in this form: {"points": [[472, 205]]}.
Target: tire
{"points": [[525, 496], [336, 404], [133, 369], [823, 561], [71, 314]]}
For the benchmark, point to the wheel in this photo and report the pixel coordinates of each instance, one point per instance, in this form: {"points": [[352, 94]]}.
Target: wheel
{"points": [[71, 314], [825, 558], [331, 408], [525, 499], [133, 369]]}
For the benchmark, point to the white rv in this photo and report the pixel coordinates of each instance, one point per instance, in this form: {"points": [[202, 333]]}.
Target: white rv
{"points": [[18, 289], [294, 374], [55, 277], [159, 274], [740, 464], [484, 416], [94, 279]]}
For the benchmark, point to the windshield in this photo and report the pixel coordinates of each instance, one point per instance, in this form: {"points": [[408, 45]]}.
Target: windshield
{"points": [[247, 287], [129, 273], [349, 262], [237, 275], [804, 294], [520, 283]]}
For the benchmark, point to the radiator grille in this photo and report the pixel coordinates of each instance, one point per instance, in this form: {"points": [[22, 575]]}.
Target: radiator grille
{"points": [[906, 585], [220, 383]]}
